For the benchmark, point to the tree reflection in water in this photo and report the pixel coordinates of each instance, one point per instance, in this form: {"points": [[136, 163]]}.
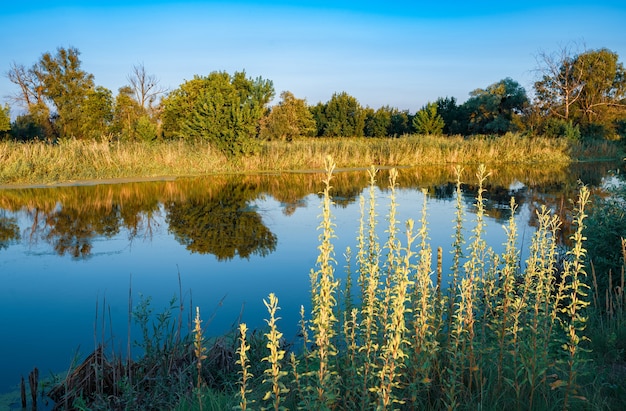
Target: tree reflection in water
{"points": [[215, 214], [9, 230], [222, 224]]}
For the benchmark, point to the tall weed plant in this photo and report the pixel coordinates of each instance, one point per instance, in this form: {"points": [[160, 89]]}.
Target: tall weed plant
{"points": [[506, 334]]}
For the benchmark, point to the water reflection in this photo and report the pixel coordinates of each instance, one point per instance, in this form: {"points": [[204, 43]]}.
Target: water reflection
{"points": [[221, 223], [240, 236], [9, 230], [216, 215]]}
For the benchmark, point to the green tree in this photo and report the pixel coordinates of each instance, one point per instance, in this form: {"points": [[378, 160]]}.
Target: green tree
{"points": [[428, 121], [67, 86], [588, 89], [27, 128], [454, 117], [126, 114], [603, 94], [344, 116], [97, 114], [401, 122], [5, 121], [318, 112], [145, 128], [377, 123], [222, 109], [496, 109], [289, 119]]}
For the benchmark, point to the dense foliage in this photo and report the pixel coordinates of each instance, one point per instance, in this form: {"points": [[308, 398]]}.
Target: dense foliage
{"points": [[577, 96], [428, 121], [222, 109]]}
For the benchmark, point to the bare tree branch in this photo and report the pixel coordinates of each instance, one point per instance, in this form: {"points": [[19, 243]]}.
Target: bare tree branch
{"points": [[145, 87]]}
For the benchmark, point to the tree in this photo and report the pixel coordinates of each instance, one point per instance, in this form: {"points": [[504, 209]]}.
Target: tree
{"points": [[559, 87], [318, 112], [344, 116], [289, 119], [454, 117], [141, 118], [126, 115], [97, 114], [428, 121], [497, 108], [222, 109], [400, 122], [38, 122], [67, 86], [604, 85], [5, 121], [222, 223], [145, 87], [587, 89], [377, 123]]}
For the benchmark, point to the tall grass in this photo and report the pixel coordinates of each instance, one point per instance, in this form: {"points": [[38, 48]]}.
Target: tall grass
{"points": [[71, 160]]}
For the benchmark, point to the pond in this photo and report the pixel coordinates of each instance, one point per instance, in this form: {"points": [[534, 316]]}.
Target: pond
{"points": [[73, 259]]}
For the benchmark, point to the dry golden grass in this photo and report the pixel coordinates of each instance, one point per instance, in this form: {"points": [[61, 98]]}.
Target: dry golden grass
{"points": [[73, 160]]}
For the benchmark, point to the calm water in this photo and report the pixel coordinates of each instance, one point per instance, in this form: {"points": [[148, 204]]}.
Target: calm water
{"points": [[71, 257]]}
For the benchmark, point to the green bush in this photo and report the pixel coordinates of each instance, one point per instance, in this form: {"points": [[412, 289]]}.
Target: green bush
{"points": [[605, 228]]}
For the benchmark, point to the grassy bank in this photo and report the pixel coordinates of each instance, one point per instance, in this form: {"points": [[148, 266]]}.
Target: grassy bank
{"points": [[72, 160], [504, 334]]}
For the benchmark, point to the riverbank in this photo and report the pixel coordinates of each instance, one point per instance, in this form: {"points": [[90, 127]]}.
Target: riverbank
{"points": [[81, 162]]}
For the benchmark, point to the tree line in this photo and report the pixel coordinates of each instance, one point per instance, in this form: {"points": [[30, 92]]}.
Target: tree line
{"points": [[577, 95]]}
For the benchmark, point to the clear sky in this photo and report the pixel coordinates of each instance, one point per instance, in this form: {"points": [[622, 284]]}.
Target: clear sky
{"points": [[398, 53]]}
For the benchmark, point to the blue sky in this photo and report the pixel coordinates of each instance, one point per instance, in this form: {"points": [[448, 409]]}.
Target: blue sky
{"points": [[398, 53]]}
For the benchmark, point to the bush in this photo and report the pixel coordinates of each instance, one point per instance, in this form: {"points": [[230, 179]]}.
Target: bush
{"points": [[555, 128], [606, 226]]}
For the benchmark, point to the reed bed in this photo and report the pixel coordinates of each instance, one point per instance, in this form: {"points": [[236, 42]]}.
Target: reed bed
{"points": [[74, 160]]}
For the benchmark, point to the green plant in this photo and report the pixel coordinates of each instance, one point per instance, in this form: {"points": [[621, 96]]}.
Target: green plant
{"points": [[273, 373]]}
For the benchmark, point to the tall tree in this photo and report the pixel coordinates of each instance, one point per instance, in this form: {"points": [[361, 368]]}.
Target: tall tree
{"points": [[145, 86], [377, 123], [97, 113], [222, 109], [454, 117], [318, 112], [31, 96], [428, 121], [587, 89], [344, 116], [5, 121], [604, 84], [560, 84], [67, 86], [289, 119], [126, 114], [400, 123], [497, 108]]}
